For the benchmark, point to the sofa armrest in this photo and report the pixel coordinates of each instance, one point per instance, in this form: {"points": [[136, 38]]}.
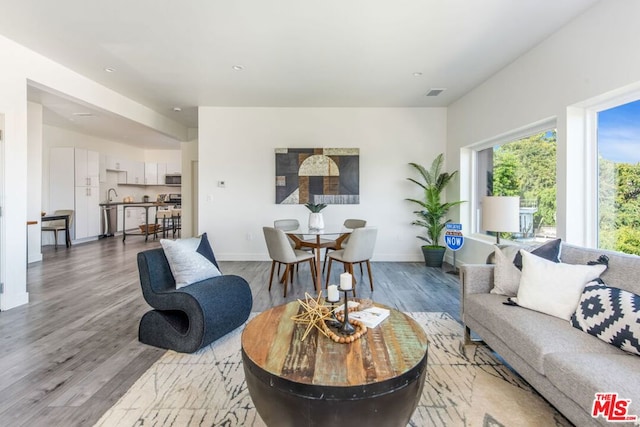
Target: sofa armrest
{"points": [[476, 279]]}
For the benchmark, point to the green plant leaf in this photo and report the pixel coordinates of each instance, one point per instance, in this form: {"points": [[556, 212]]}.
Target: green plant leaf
{"points": [[315, 208], [433, 211]]}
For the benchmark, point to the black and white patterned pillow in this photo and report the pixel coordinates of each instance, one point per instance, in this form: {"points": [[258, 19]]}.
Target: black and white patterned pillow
{"points": [[610, 314]]}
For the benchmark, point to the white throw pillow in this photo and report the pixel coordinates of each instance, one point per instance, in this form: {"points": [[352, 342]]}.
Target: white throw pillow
{"points": [[187, 265], [553, 288]]}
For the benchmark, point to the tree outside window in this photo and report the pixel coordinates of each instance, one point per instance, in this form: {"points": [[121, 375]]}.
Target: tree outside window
{"points": [[527, 168], [619, 178]]}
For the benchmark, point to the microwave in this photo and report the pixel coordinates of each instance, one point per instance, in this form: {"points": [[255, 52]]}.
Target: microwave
{"points": [[173, 179]]}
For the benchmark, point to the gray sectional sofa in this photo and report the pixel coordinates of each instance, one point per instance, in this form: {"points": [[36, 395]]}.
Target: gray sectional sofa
{"points": [[564, 364]]}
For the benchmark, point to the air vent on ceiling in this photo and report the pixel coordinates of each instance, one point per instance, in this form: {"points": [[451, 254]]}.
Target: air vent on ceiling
{"points": [[82, 114], [435, 91]]}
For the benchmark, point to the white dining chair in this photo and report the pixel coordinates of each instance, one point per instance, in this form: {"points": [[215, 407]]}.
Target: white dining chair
{"points": [[280, 251], [360, 249], [351, 224]]}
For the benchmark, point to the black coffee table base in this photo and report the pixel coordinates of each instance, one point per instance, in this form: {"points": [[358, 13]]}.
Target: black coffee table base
{"points": [[284, 403]]}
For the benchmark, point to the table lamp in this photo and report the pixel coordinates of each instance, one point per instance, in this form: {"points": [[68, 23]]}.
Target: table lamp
{"points": [[501, 214]]}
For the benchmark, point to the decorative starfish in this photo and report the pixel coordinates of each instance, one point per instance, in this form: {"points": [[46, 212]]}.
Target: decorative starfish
{"points": [[314, 315]]}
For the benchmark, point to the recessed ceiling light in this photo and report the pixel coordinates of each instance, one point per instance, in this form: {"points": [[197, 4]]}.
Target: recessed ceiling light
{"points": [[177, 109], [237, 68], [417, 74], [435, 91], [110, 70]]}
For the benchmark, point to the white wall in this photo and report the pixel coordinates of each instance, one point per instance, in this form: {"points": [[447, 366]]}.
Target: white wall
{"points": [[237, 145], [591, 56], [34, 183], [13, 105], [190, 185]]}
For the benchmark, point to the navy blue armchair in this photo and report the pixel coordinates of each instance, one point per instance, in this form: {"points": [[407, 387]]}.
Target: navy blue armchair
{"points": [[191, 317]]}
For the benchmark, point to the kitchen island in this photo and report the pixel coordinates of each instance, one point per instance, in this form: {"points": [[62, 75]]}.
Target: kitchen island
{"points": [[146, 226]]}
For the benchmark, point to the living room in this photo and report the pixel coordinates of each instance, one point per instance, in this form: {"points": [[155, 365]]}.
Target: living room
{"points": [[559, 80], [487, 111]]}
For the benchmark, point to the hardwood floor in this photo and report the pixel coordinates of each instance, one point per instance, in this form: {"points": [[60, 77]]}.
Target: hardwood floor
{"points": [[68, 355]]}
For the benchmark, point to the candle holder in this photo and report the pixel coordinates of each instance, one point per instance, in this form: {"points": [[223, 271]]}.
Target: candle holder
{"points": [[346, 328], [333, 320]]}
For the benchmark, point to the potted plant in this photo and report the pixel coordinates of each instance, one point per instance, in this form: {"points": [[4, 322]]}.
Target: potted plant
{"points": [[432, 211], [315, 217]]}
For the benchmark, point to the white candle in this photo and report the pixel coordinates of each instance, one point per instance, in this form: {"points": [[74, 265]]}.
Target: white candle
{"points": [[346, 281], [332, 293]]}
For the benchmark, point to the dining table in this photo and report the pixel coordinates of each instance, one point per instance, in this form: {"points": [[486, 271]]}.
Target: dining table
{"points": [[66, 219], [318, 240]]}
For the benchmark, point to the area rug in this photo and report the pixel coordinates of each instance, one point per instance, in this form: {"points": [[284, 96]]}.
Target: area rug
{"points": [[464, 387]]}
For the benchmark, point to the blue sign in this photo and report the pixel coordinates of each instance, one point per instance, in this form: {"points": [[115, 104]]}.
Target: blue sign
{"points": [[453, 237]]}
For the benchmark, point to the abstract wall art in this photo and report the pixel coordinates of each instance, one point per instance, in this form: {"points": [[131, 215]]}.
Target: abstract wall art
{"points": [[318, 175]]}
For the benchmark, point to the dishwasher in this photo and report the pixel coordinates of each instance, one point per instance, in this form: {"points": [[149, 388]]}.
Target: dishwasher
{"points": [[109, 220]]}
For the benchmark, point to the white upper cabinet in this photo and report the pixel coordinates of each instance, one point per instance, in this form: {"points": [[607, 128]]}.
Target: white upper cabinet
{"points": [[140, 173], [113, 163], [174, 168], [87, 168], [162, 171], [135, 172], [151, 174]]}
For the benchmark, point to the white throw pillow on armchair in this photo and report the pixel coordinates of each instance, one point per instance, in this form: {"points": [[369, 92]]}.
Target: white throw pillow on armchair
{"points": [[553, 288], [187, 264]]}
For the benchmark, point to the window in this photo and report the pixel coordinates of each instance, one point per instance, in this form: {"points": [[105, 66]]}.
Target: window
{"points": [[524, 167], [618, 142]]}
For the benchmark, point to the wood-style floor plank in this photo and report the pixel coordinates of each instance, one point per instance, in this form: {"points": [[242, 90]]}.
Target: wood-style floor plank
{"points": [[73, 351]]}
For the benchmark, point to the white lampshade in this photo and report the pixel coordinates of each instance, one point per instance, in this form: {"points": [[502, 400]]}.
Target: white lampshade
{"points": [[501, 213]]}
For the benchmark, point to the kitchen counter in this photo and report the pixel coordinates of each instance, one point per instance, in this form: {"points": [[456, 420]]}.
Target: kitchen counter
{"points": [[139, 204], [146, 225]]}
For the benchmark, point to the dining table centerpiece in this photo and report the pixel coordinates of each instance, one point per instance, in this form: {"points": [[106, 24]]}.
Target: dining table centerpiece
{"points": [[316, 221]]}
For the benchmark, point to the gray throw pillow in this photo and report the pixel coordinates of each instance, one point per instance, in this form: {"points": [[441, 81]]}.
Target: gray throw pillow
{"points": [[549, 251]]}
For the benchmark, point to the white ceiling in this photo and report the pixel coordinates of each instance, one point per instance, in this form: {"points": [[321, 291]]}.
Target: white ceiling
{"points": [[295, 53]]}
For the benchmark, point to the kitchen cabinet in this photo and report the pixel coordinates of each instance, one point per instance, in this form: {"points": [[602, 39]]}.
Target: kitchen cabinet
{"points": [[151, 174], [162, 171], [87, 215], [135, 172], [113, 163], [87, 168], [174, 168], [87, 193]]}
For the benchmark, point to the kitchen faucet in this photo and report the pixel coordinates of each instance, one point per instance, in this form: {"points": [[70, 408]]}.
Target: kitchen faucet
{"points": [[109, 194]]}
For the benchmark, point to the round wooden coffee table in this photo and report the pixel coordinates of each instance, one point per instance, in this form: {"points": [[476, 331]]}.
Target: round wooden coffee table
{"points": [[375, 381]]}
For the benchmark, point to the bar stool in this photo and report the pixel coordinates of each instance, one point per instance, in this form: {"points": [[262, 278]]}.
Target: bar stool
{"points": [[176, 216], [166, 217]]}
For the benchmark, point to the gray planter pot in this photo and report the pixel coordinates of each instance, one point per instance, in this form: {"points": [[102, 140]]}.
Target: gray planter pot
{"points": [[433, 256]]}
